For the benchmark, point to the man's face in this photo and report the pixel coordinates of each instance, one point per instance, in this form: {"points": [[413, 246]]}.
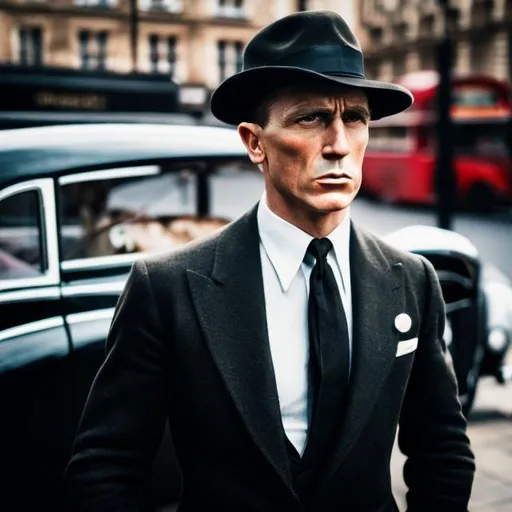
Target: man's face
{"points": [[311, 151]]}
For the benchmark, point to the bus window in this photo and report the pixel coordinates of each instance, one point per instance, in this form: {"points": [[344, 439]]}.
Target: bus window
{"points": [[480, 139]]}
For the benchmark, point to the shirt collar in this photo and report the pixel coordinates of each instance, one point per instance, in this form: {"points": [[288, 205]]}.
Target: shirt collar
{"points": [[286, 244]]}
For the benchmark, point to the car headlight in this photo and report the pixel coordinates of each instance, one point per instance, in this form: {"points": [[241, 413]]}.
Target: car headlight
{"points": [[448, 332], [497, 339]]}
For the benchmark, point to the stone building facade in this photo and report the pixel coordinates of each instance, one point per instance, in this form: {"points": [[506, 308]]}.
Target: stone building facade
{"points": [[193, 41], [399, 36]]}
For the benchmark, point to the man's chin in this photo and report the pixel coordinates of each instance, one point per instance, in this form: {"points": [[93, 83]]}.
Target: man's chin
{"points": [[336, 203]]}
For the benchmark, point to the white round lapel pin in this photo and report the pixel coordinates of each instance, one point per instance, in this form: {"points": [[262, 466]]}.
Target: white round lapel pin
{"points": [[403, 322]]}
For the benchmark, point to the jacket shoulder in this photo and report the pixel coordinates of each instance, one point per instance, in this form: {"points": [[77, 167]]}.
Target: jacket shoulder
{"points": [[412, 262], [198, 255]]}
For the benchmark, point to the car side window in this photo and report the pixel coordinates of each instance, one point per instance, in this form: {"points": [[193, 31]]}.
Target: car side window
{"points": [[151, 208], [123, 210], [21, 247], [234, 188]]}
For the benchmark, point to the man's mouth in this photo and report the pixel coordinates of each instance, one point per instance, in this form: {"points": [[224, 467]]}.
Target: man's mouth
{"points": [[333, 175]]}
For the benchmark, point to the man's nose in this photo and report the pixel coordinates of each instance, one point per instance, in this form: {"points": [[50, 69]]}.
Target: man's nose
{"points": [[336, 141]]}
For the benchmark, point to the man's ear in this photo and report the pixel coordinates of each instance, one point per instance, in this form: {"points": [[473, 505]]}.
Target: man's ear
{"points": [[250, 135]]}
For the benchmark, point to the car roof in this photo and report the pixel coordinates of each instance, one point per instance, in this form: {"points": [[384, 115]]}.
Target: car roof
{"points": [[53, 150], [425, 238]]}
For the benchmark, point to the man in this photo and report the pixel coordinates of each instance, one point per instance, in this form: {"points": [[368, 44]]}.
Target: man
{"points": [[286, 348]]}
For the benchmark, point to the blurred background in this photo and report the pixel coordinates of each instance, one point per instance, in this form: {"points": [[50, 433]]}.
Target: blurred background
{"points": [[81, 61], [444, 163], [195, 44]]}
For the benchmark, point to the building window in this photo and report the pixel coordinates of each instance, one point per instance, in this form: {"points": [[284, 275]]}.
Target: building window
{"points": [[30, 46], [400, 32], [481, 12], [230, 8], [371, 70], [427, 23], [154, 55], [376, 34], [302, 5], [239, 52], [162, 54], [161, 5], [95, 3], [93, 49], [230, 58], [390, 5], [221, 49], [399, 66]]}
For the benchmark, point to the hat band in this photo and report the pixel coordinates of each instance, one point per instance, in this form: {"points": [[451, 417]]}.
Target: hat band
{"points": [[333, 58]]}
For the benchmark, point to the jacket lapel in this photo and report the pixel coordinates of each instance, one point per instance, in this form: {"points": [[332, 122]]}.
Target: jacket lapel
{"points": [[230, 304], [376, 302]]}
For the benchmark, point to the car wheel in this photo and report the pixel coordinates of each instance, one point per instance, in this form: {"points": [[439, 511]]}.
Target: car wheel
{"points": [[475, 371], [472, 379]]}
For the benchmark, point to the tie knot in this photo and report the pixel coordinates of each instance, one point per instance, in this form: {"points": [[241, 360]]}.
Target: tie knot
{"points": [[319, 247]]}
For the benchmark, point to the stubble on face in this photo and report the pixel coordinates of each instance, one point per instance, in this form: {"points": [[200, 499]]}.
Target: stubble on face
{"points": [[314, 145]]}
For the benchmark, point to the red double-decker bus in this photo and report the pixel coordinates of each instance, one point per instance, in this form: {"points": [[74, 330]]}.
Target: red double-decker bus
{"points": [[400, 162]]}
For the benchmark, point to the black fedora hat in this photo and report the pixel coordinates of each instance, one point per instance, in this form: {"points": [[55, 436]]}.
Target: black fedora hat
{"points": [[309, 47]]}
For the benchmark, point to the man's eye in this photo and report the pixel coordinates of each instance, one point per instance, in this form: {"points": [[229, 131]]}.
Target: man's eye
{"points": [[353, 117], [309, 119]]}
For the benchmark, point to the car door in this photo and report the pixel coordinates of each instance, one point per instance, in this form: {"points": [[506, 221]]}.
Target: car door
{"points": [[110, 217], [35, 374]]}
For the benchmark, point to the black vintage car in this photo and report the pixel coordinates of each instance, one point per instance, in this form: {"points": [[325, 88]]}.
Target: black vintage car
{"points": [[478, 300], [78, 205], [459, 270]]}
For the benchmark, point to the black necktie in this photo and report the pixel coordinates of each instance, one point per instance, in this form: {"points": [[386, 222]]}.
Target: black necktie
{"points": [[329, 352]]}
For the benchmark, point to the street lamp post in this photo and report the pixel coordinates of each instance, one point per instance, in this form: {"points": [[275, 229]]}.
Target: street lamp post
{"points": [[445, 179], [134, 32]]}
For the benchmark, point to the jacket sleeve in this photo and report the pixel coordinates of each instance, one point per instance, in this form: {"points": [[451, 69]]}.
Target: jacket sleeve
{"points": [[125, 412], [439, 465]]}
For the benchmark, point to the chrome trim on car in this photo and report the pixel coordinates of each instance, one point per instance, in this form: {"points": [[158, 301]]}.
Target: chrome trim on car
{"points": [[458, 304], [107, 174], [51, 275], [100, 261], [30, 294], [88, 316], [94, 289], [31, 327], [454, 277]]}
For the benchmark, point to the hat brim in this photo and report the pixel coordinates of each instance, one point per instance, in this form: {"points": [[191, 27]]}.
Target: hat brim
{"points": [[235, 100]]}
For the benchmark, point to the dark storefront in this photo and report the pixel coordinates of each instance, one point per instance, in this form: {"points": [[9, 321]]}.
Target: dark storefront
{"points": [[40, 96]]}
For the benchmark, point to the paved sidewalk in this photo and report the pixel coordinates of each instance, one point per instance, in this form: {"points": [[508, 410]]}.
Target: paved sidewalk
{"points": [[490, 432]]}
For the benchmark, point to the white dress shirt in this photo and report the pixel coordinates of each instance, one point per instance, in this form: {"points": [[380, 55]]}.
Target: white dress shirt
{"points": [[286, 274]]}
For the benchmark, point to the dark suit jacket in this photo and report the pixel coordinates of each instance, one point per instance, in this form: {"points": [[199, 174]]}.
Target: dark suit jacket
{"points": [[189, 342]]}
